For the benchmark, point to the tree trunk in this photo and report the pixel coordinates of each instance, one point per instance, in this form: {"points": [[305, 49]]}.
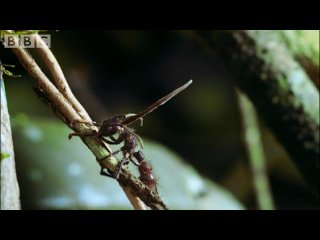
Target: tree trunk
{"points": [[282, 92], [10, 195]]}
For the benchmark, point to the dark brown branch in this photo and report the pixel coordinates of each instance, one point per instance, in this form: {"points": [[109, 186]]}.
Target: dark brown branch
{"points": [[278, 86]]}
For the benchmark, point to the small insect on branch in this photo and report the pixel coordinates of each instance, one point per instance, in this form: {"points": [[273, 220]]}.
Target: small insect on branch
{"points": [[119, 125]]}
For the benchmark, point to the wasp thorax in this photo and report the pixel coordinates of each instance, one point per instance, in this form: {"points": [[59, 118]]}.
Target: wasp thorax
{"points": [[130, 141]]}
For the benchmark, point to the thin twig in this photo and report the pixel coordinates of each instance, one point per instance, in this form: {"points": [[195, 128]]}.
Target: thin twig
{"points": [[57, 75], [55, 96], [134, 200], [133, 187], [256, 154]]}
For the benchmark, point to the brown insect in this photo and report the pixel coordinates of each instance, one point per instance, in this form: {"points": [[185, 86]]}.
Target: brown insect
{"points": [[119, 125], [145, 170]]}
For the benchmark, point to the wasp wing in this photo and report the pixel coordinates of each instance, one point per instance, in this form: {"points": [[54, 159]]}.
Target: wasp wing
{"points": [[153, 106]]}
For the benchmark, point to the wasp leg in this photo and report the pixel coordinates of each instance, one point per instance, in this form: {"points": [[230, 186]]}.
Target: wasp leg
{"points": [[135, 162], [113, 140], [79, 134], [123, 162], [107, 174]]}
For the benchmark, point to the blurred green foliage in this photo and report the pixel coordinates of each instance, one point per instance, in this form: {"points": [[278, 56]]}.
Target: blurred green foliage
{"points": [[302, 42], [4, 155]]}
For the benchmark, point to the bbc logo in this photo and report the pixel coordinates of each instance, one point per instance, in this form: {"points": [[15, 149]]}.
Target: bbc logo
{"points": [[25, 41]]}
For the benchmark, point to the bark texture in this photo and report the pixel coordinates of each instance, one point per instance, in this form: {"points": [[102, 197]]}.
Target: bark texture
{"points": [[10, 194], [282, 92]]}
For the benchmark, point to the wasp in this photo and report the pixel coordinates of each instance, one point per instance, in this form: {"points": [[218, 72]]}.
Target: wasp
{"points": [[119, 125]]}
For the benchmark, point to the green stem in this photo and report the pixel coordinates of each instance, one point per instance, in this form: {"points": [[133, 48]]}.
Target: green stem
{"points": [[256, 155]]}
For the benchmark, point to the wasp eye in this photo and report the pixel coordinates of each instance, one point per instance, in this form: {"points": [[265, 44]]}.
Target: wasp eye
{"points": [[117, 128]]}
